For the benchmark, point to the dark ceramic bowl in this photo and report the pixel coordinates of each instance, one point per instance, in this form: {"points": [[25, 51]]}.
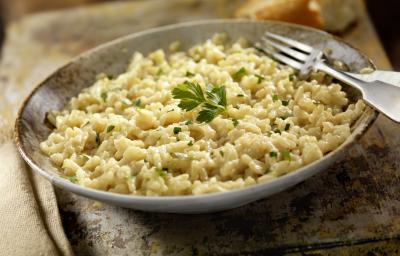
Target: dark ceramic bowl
{"points": [[113, 58]]}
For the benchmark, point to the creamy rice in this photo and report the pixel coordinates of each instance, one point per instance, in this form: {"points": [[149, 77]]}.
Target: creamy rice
{"points": [[128, 135]]}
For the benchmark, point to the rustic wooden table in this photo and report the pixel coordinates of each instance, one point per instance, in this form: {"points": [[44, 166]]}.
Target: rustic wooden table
{"points": [[350, 209]]}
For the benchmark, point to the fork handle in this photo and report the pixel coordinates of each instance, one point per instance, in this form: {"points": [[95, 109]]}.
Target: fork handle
{"points": [[385, 97], [386, 76]]}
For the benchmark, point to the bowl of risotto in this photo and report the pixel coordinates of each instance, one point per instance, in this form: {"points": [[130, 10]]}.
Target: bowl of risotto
{"points": [[190, 118]]}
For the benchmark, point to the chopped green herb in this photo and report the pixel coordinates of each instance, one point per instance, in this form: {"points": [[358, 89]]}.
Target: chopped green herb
{"points": [[240, 95], [291, 77], [159, 72], [165, 169], [221, 153], [110, 77], [285, 102], [235, 122], [239, 74], [260, 78], [85, 158], [170, 110], [191, 95], [137, 102], [88, 122], [110, 128], [189, 74], [190, 143], [287, 126], [237, 107], [275, 97], [161, 172], [277, 131], [97, 139], [103, 95], [286, 155], [273, 154], [177, 130], [72, 179], [188, 122]]}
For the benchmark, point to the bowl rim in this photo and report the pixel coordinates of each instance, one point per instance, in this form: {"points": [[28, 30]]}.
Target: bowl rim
{"points": [[369, 114]]}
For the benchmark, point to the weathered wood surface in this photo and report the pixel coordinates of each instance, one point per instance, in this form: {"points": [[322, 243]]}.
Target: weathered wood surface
{"points": [[350, 209]]}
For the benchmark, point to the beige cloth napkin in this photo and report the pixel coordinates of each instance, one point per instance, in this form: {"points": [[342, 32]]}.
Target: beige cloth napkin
{"points": [[29, 219]]}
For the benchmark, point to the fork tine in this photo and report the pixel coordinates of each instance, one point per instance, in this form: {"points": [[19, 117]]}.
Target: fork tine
{"points": [[280, 57], [293, 43], [292, 53]]}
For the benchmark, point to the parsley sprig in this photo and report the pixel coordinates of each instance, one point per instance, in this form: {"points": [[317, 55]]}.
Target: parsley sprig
{"points": [[213, 101]]}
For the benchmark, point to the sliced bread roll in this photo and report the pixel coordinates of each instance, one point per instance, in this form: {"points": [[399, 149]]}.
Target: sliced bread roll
{"points": [[331, 15]]}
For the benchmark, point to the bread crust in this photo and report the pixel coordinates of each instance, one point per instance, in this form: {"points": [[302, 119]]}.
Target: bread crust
{"points": [[294, 11]]}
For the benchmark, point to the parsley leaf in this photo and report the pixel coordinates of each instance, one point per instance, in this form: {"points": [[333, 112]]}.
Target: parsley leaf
{"points": [[190, 143], [208, 113], [291, 77], [221, 153], [240, 95], [188, 122], [192, 96], [285, 102], [239, 74], [275, 97], [110, 77], [287, 126]]}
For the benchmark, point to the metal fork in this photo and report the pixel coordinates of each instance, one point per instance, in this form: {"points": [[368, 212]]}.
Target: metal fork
{"points": [[382, 94]]}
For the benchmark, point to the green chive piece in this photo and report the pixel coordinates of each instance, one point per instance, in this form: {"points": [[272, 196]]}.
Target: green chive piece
{"points": [[291, 77], [240, 95], [188, 122], [189, 74], [97, 139], [275, 97], [190, 143], [137, 102], [277, 131], [260, 78], [287, 126], [161, 172], [159, 72], [110, 128], [110, 77], [239, 74], [177, 130], [103, 95], [221, 153], [285, 102], [235, 122], [286, 155], [88, 122], [273, 154], [72, 179]]}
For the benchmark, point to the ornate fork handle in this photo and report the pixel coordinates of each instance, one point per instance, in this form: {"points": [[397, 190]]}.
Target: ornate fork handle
{"points": [[385, 97], [390, 77]]}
